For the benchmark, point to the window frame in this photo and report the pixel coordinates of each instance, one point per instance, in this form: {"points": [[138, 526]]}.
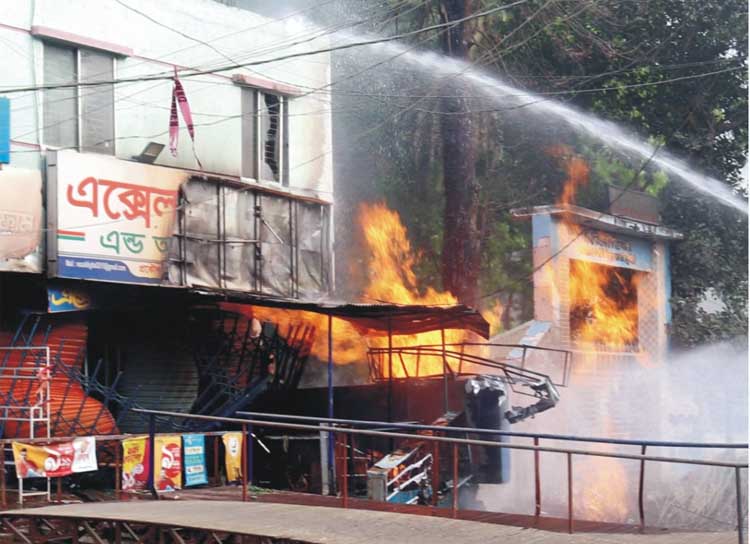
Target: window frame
{"points": [[76, 49], [251, 163]]}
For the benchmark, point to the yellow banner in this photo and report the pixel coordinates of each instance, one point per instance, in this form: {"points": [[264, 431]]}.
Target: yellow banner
{"points": [[233, 444], [135, 463], [168, 473]]}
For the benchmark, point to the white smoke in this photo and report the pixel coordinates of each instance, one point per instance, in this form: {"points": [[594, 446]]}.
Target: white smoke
{"points": [[699, 396]]}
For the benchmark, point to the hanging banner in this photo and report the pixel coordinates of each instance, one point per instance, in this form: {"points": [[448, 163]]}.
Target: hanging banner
{"points": [[136, 462], [168, 470], [55, 460], [233, 455], [194, 448]]}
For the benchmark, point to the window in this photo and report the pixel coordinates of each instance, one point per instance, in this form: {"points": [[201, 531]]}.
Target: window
{"points": [[79, 117], [264, 136]]}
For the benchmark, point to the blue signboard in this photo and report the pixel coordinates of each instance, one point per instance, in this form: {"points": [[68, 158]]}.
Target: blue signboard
{"points": [[194, 459], [4, 130], [67, 299]]}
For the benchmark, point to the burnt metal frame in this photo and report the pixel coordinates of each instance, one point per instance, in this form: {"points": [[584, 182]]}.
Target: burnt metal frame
{"points": [[455, 442], [36, 413], [514, 373], [222, 186]]}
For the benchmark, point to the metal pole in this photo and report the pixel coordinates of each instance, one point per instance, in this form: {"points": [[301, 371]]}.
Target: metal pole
{"points": [[3, 491], [641, 511], [118, 470], [435, 472], [537, 482], [250, 454], [445, 374], [344, 470], [244, 463], [570, 493], [390, 372], [152, 454], [217, 476], [454, 506], [330, 402], [740, 527]]}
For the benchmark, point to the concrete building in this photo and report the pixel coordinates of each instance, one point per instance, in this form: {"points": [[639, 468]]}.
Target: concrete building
{"points": [[104, 233]]}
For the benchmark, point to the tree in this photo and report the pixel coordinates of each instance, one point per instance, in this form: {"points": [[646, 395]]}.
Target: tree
{"points": [[667, 69], [462, 223]]}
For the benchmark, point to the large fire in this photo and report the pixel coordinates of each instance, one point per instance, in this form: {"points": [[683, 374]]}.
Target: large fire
{"points": [[603, 299], [603, 312], [391, 278], [603, 305]]}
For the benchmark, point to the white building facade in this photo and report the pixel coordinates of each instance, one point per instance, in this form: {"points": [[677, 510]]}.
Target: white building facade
{"points": [[92, 192]]}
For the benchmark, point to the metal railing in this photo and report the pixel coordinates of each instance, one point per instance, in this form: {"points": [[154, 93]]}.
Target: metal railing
{"points": [[452, 357], [32, 375], [326, 425]]}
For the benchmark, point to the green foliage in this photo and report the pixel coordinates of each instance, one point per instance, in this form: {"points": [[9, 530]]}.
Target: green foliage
{"points": [[603, 57]]}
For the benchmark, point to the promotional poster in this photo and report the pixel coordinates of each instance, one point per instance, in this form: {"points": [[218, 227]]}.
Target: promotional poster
{"points": [[55, 460]]}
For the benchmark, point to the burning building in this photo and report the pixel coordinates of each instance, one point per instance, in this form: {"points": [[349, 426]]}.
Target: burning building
{"points": [[602, 281], [115, 252]]}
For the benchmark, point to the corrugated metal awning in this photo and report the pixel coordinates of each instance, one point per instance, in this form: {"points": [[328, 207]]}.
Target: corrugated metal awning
{"points": [[370, 318]]}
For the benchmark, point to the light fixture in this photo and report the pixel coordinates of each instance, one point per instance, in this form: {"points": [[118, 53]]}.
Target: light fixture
{"points": [[149, 153]]}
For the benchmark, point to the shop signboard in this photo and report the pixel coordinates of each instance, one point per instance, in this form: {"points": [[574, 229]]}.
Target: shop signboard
{"points": [[110, 219], [67, 299], [20, 220]]}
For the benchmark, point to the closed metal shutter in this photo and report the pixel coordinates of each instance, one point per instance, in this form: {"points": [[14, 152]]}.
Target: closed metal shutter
{"points": [[158, 372]]}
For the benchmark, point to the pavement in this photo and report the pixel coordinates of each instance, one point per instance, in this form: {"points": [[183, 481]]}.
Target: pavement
{"points": [[325, 525]]}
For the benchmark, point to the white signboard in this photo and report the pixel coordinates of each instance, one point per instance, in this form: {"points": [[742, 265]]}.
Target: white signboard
{"points": [[20, 220], [110, 219]]}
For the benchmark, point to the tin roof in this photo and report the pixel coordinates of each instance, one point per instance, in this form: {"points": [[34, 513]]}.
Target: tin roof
{"points": [[371, 318], [602, 221]]}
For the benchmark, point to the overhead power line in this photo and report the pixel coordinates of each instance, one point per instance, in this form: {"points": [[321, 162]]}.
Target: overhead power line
{"points": [[350, 45]]}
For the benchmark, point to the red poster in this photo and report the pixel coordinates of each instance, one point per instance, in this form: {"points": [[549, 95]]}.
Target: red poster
{"points": [[168, 474]]}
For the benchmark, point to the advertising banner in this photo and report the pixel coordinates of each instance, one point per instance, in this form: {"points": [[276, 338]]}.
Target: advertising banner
{"points": [[114, 218], [610, 249], [67, 299], [233, 445], [55, 460], [194, 448], [168, 473], [21, 220], [136, 462]]}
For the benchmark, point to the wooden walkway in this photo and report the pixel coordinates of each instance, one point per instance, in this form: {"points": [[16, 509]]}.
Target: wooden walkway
{"points": [[323, 525]]}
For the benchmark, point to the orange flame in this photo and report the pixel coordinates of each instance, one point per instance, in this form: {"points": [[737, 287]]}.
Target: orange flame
{"points": [[576, 171], [494, 316], [391, 278], [390, 267], [603, 305]]}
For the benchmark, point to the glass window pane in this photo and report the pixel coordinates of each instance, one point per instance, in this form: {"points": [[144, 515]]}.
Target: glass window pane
{"points": [[97, 103], [270, 134], [60, 105], [249, 136]]}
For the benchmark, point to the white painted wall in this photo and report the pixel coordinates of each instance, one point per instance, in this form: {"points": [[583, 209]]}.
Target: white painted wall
{"points": [[142, 109]]}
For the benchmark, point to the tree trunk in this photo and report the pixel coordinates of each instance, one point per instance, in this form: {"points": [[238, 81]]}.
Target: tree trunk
{"points": [[461, 236]]}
